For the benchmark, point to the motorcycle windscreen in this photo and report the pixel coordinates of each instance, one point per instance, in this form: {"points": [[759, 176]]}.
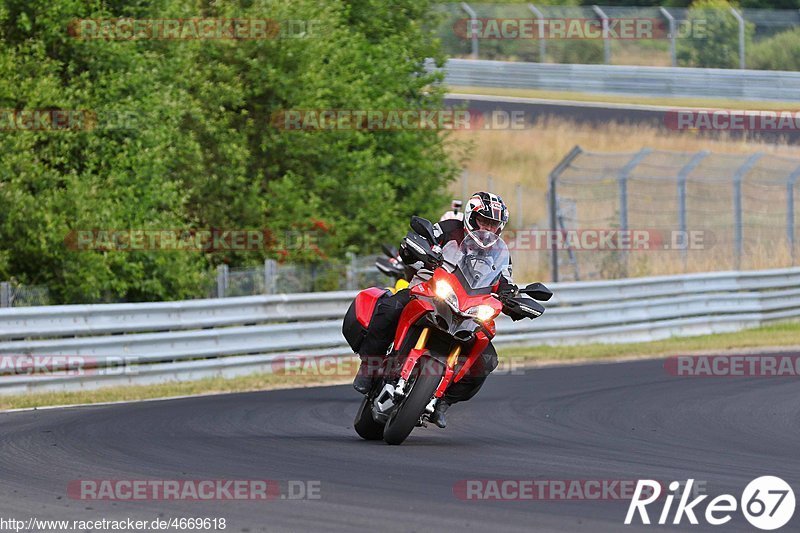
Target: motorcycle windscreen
{"points": [[483, 258]]}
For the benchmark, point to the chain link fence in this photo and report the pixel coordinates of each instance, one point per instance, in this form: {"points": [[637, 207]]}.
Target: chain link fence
{"points": [[476, 30], [13, 294], [607, 216], [616, 215], [275, 278]]}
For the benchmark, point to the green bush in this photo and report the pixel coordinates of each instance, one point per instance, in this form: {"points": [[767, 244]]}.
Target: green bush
{"points": [[200, 151], [714, 42], [779, 52]]}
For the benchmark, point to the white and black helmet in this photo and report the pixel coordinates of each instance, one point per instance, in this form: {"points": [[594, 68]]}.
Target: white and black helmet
{"points": [[485, 211]]}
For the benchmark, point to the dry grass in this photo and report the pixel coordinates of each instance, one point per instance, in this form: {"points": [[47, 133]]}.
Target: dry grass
{"points": [[527, 156]]}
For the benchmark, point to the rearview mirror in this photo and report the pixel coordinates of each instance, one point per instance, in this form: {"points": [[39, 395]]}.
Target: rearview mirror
{"points": [[424, 228], [385, 266], [537, 291], [389, 250]]}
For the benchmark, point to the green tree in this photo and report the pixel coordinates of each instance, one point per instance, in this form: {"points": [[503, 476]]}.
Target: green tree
{"points": [[714, 39], [195, 147], [779, 52]]}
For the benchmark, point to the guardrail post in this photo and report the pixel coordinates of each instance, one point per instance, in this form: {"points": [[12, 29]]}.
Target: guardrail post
{"points": [[682, 175], [606, 41], [740, 20], [790, 183], [222, 280], [553, 206], [672, 35], [270, 276], [737, 206], [5, 294], [542, 40], [473, 27]]}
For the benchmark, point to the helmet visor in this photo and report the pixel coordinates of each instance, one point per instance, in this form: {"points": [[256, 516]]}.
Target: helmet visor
{"points": [[487, 224]]}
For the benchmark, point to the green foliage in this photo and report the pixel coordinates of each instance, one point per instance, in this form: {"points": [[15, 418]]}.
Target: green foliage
{"points": [[183, 138], [780, 52], [714, 41], [589, 51]]}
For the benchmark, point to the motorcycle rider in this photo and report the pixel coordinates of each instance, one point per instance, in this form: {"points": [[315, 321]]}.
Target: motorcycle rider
{"points": [[484, 211], [454, 213]]}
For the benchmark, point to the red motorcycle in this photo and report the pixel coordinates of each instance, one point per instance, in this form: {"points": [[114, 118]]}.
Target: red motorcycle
{"points": [[443, 330]]}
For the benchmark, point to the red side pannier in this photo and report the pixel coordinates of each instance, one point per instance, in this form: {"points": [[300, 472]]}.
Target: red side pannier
{"points": [[359, 315]]}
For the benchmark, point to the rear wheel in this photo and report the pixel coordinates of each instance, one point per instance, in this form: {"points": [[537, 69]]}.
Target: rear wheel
{"points": [[365, 425], [405, 417]]}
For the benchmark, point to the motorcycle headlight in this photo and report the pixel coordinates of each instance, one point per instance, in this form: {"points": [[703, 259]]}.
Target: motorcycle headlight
{"points": [[482, 312], [446, 293]]}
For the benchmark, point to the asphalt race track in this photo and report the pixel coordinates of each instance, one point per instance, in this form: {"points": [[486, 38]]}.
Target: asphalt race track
{"points": [[622, 421]]}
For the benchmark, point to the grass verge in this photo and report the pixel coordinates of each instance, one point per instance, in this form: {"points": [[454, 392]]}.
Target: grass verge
{"points": [[703, 103], [773, 336]]}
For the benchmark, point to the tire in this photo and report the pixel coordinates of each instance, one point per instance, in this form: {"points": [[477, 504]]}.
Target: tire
{"points": [[366, 426], [404, 419]]}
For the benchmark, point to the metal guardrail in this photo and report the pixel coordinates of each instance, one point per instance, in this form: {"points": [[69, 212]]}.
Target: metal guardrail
{"points": [[626, 80], [167, 341]]}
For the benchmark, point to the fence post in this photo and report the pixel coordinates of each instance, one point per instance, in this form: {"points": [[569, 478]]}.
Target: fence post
{"points": [[672, 35], [222, 280], [790, 183], [352, 271], [553, 206], [737, 206], [270, 276], [740, 20], [542, 41], [489, 183], [5, 294], [622, 181], [519, 206], [464, 190], [682, 175], [473, 23], [606, 41]]}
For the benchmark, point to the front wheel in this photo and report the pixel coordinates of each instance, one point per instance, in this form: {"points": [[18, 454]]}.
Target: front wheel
{"points": [[405, 417]]}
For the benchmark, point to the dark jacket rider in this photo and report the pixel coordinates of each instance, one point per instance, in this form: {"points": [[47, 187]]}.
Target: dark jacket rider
{"points": [[484, 211]]}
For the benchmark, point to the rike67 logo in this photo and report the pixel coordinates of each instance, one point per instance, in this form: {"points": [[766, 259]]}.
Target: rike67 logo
{"points": [[767, 503]]}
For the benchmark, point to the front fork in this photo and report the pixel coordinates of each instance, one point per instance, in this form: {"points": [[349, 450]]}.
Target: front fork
{"points": [[411, 361]]}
